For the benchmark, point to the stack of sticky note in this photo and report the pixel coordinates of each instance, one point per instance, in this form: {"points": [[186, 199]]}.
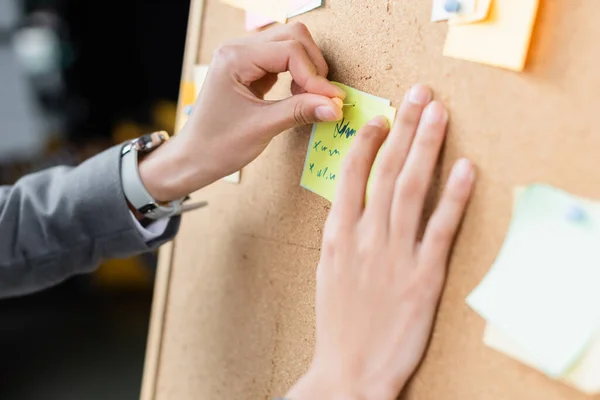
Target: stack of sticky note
{"points": [[260, 13], [541, 299], [494, 32], [330, 141]]}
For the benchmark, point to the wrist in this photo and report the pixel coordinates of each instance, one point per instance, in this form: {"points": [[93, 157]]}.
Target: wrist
{"points": [[166, 173]]}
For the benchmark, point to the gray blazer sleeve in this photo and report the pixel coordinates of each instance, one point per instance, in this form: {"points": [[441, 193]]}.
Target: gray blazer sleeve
{"points": [[64, 221]]}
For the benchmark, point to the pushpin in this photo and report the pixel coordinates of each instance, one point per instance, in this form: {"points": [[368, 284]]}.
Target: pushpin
{"points": [[188, 110], [576, 213], [452, 6]]}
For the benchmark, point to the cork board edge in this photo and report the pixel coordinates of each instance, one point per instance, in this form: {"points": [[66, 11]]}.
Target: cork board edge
{"points": [[166, 253]]}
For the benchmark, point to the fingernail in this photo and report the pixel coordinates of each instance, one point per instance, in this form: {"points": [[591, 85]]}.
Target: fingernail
{"points": [[338, 101], [435, 113], [463, 171], [340, 92], [379, 122], [419, 95], [327, 113]]}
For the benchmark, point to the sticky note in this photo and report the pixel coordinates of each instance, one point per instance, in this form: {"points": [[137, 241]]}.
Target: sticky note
{"points": [[481, 12], [330, 141], [233, 178], [439, 13], [200, 72], [584, 376], [501, 40], [186, 97], [276, 10], [542, 290], [297, 7]]}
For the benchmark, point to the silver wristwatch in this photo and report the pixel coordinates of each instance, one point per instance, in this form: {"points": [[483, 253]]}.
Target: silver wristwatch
{"points": [[133, 187]]}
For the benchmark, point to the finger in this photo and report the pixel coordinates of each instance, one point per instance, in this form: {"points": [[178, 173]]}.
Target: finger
{"points": [[442, 227], [263, 85], [350, 193], [414, 180], [250, 63], [394, 152], [294, 31], [299, 110]]}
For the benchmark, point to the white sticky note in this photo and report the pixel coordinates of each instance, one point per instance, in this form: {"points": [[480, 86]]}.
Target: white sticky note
{"points": [[585, 376], [439, 13], [297, 7], [200, 72], [233, 178], [543, 289]]}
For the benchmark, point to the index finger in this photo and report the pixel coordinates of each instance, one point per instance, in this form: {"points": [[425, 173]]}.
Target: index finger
{"points": [[295, 31], [252, 62]]}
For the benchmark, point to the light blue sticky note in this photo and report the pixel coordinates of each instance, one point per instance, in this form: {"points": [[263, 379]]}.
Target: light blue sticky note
{"points": [[544, 288]]}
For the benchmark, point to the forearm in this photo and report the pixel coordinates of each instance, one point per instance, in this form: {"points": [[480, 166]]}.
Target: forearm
{"points": [[65, 221]]}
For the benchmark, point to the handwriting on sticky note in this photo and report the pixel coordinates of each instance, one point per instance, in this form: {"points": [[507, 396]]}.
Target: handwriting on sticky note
{"points": [[542, 290], [330, 141], [501, 40]]}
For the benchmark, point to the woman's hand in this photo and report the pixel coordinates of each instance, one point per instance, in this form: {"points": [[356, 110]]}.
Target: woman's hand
{"points": [[231, 123], [378, 284]]}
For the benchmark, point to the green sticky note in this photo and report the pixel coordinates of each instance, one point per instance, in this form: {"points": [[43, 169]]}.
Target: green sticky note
{"points": [[330, 141], [543, 290]]}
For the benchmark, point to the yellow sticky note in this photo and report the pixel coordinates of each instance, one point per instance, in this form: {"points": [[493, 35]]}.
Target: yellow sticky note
{"points": [[481, 12], [584, 376], [276, 10], [330, 141], [501, 40]]}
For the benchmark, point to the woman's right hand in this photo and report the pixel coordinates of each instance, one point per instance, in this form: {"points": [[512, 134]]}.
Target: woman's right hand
{"points": [[378, 283]]}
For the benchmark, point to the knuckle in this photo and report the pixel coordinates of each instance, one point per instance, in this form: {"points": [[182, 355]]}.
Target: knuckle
{"points": [[440, 234], [387, 168], [332, 234], [301, 116], [430, 280], [424, 285], [352, 167], [409, 187], [428, 139], [409, 117], [299, 29], [226, 54], [295, 47]]}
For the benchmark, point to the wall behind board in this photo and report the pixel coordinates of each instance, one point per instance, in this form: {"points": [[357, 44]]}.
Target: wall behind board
{"points": [[239, 317]]}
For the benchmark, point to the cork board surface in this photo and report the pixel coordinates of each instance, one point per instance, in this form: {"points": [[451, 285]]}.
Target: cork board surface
{"points": [[239, 321]]}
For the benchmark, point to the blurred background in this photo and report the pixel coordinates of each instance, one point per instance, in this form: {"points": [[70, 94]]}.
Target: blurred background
{"points": [[77, 77]]}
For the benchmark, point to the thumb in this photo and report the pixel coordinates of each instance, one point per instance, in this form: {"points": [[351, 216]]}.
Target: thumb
{"points": [[302, 109]]}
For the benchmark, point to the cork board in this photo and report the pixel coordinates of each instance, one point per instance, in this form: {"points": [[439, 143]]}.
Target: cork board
{"points": [[234, 311]]}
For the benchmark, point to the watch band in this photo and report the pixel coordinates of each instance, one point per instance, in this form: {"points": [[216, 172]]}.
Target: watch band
{"points": [[135, 191], [133, 187]]}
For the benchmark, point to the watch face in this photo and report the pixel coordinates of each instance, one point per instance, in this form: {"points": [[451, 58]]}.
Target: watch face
{"points": [[151, 141], [147, 208]]}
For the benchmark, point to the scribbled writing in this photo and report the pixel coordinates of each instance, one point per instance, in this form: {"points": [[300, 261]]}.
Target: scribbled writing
{"points": [[323, 173], [317, 146], [343, 130]]}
